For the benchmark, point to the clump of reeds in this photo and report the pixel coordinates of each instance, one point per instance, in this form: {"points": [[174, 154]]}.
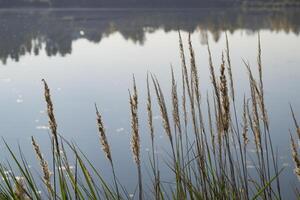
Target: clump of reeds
{"points": [[209, 152]]}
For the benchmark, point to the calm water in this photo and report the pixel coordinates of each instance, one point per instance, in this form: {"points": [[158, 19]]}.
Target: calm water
{"points": [[89, 56]]}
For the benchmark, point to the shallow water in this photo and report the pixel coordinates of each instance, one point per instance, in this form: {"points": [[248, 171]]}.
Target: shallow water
{"points": [[89, 56]]}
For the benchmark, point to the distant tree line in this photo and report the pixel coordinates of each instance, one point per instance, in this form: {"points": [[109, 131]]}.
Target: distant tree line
{"points": [[131, 3]]}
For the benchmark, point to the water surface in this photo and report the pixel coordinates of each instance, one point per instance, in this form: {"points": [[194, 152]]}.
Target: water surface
{"points": [[89, 56]]}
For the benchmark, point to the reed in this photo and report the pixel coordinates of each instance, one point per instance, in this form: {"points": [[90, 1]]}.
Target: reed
{"points": [[135, 140], [50, 112], [44, 166], [154, 164], [295, 157], [106, 148], [20, 190]]}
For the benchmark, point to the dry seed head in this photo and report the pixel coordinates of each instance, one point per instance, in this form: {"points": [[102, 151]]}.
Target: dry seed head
{"points": [[103, 139], [184, 99], [245, 124], [182, 56], [194, 72], [224, 96], [295, 157], [163, 109], [149, 110], [260, 64], [295, 122], [192, 60], [229, 68], [212, 72], [176, 117], [217, 93], [256, 126], [50, 112], [185, 75], [20, 190], [135, 140], [43, 164]]}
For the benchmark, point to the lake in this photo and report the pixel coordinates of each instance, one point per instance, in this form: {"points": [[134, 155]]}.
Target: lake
{"points": [[90, 55]]}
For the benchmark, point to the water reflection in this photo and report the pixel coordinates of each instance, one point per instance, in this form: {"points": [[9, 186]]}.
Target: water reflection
{"points": [[23, 32], [101, 72]]}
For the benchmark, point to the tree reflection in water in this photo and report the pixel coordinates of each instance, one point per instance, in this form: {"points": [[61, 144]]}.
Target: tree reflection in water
{"points": [[32, 31]]}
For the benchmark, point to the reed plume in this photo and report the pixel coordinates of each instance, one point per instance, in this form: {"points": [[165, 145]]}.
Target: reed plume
{"points": [[151, 129], [164, 113], [105, 146], [135, 139], [260, 65], [229, 69], [185, 75], [163, 109], [149, 111], [295, 122], [255, 115], [212, 75], [245, 124], [44, 166], [50, 112], [175, 103], [103, 139], [187, 87], [185, 116], [216, 90], [20, 191], [195, 83], [194, 72], [224, 96], [295, 157]]}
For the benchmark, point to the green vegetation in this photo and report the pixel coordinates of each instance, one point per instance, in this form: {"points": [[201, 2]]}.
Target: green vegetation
{"points": [[209, 152]]}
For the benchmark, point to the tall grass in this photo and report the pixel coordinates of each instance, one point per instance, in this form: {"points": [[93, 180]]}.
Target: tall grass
{"points": [[209, 144]]}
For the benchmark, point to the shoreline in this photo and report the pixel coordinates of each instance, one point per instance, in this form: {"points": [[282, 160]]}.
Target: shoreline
{"points": [[242, 6]]}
